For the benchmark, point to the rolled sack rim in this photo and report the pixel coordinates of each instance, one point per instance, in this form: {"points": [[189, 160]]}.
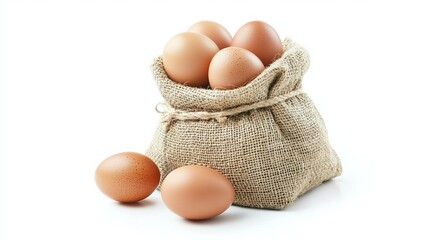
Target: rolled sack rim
{"points": [[178, 95]]}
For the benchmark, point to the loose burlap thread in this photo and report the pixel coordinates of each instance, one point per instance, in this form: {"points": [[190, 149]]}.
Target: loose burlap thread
{"points": [[266, 137]]}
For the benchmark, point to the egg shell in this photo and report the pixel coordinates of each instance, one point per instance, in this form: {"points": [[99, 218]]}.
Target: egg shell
{"points": [[187, 57], [233, 67], [197, 192], [127, 177], [261, 39], [214, 31]]}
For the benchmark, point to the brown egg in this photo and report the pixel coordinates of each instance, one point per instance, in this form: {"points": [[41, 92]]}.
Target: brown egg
{"points": [[214, 31], [197, 192], [187, 58], [233, 67], [127, 177], [261, 39]]}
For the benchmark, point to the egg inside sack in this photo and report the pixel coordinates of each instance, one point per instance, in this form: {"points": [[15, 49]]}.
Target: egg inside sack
{"points": [[187, 58], [261, 39], [127, 177], [197, 192], [214, 31], [233, 67]]}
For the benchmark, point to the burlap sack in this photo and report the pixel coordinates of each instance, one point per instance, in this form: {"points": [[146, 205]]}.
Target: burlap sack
{"points": [[266, 137]]}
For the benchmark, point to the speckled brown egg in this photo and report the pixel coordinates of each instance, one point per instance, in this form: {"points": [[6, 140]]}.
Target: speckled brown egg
{"points": [[127, 177], [261, 39], [233, 67]]}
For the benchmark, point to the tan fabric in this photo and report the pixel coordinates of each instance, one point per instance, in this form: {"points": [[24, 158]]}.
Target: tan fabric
{"points": [[266, 137]]}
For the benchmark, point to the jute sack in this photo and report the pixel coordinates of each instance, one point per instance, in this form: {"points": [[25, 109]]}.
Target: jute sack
{"points": [[266, 137]]}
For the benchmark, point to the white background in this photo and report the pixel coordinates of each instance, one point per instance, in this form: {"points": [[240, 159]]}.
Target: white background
{"points": [[77, 88]]}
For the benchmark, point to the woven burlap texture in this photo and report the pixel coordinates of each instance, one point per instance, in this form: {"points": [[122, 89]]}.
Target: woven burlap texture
{"points": [[271, 154]]}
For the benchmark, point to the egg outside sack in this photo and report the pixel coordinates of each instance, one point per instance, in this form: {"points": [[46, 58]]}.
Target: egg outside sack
{"points": [[197, 192], [127, 177]]}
